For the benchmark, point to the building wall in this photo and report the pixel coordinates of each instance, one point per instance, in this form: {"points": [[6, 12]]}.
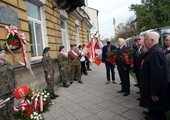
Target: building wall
{"points": [[93, 13], [52, 38]]}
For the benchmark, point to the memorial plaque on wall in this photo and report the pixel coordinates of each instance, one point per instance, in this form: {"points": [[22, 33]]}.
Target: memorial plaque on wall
{"points": [[8, 16]]}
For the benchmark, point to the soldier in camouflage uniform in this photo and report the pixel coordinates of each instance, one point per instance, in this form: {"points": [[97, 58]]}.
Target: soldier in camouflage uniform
{"points": [[74, 62], [49, 72], [7, 86], [63, 66]]}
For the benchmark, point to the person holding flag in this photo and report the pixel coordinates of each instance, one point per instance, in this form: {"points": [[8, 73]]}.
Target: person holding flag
{"points": [[109, 66], [74, 63]]}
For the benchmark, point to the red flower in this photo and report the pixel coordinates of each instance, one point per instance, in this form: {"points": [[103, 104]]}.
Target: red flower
{"points": [[15, 43]]}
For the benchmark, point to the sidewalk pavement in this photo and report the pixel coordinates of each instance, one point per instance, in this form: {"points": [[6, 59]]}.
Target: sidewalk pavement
{"points": [[95, 100]]}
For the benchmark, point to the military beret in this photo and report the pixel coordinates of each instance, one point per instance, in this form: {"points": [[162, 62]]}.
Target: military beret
{"points": [[1, 48], [72, 45], [61, 47], [46, 49]]}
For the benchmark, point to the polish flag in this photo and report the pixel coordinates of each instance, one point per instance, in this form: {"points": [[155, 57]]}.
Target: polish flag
{"points": [[94, 51]]}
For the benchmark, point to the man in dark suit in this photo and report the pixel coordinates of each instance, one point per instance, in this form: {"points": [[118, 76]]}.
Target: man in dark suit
{"points": [[154, 85], [167, 54], [123, 69], [109, 66]]}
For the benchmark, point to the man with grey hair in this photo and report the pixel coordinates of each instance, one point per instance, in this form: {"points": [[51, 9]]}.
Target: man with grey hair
{"points": [[154, 85], [123, 68]]}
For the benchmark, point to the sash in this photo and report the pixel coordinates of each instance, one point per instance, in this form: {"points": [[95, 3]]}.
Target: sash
{"points": [[64, 54], [74, 54]]}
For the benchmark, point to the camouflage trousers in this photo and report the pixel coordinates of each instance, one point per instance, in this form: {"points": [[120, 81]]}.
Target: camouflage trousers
{"points": [[6, 113], [50, 83], [64, 74]]}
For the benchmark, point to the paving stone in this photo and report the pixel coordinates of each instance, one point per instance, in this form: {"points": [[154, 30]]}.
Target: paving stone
{"points": [[133, 115], [106, 115], [118, 109], [94, 109], [81, 114], [73, 108], [93, 117]]}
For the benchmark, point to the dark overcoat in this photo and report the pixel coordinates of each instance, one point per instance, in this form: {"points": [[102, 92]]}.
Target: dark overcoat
{"points": [[154, 80]]}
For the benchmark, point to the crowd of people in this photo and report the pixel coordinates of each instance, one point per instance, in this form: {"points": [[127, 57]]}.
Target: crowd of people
{"points": [[151, 66]]}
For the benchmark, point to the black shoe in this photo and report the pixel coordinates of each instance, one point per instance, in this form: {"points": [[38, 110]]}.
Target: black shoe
{"points": [[71, 82], [52, 97], [146, 113], [80, 82], [65, 85], [89, 69], [126, 94], [55, 95], [121, 91], [85, 73], [75, 78], [138, 99]]}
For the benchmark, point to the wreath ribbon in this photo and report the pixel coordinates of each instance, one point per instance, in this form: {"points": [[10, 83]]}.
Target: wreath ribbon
{"points": [[12, 30]]}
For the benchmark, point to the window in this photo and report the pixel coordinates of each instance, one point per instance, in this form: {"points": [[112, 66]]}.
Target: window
{"points": [[64, 34], [35, 29], [77, 34]]}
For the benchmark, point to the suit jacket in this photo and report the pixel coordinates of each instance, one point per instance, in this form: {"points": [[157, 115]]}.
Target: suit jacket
{"points": [[105, 51], [119, 62], [168, 66], [154, 82]]}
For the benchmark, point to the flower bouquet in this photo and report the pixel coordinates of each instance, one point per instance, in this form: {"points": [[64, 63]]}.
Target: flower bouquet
{"points": [[127, 57], [112, 56], [33, 105]]}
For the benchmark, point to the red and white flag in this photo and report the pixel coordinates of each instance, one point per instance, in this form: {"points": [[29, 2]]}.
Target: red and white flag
{"points": [[94, 51]]}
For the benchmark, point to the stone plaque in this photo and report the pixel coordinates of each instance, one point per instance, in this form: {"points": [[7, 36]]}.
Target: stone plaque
{"points": [[8, 16]]}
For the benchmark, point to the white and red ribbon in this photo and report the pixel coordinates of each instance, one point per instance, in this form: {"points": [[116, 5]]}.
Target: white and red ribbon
{"points": [[22, 39], [75, 54]]}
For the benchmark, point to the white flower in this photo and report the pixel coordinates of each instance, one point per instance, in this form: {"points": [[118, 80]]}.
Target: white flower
{"points": [[42, 93], [31, 98], [31, 116], [41, 118], [34, 113], [45, 91], [35, 118], [44, 99], [48, 94], [45, 96]]}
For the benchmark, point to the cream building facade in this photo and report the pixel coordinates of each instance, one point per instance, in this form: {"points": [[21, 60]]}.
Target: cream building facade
{"points": [[45, 23]]}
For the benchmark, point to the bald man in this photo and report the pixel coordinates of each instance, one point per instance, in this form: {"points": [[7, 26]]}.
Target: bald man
{"points": [[123, 68], [154, 86]]}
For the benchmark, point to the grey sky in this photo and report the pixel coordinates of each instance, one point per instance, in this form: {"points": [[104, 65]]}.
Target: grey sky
{"points": [[119, 9]]}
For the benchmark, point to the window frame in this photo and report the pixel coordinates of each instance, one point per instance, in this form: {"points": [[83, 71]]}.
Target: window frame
{"points": [[43, 31]]}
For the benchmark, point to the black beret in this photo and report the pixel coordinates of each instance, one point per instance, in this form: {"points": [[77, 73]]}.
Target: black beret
{"points": [[73, 45], [46, 49], [1, 48], [61, 47]]}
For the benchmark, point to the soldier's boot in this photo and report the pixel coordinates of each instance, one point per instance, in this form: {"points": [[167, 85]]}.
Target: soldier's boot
{"points": [[65, 84], [55, 95], [52, 97]]}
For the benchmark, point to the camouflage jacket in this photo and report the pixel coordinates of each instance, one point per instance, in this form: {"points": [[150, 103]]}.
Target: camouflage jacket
{"points": [[47, 64], [7, 78], [62, 60], [73, 60]]}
